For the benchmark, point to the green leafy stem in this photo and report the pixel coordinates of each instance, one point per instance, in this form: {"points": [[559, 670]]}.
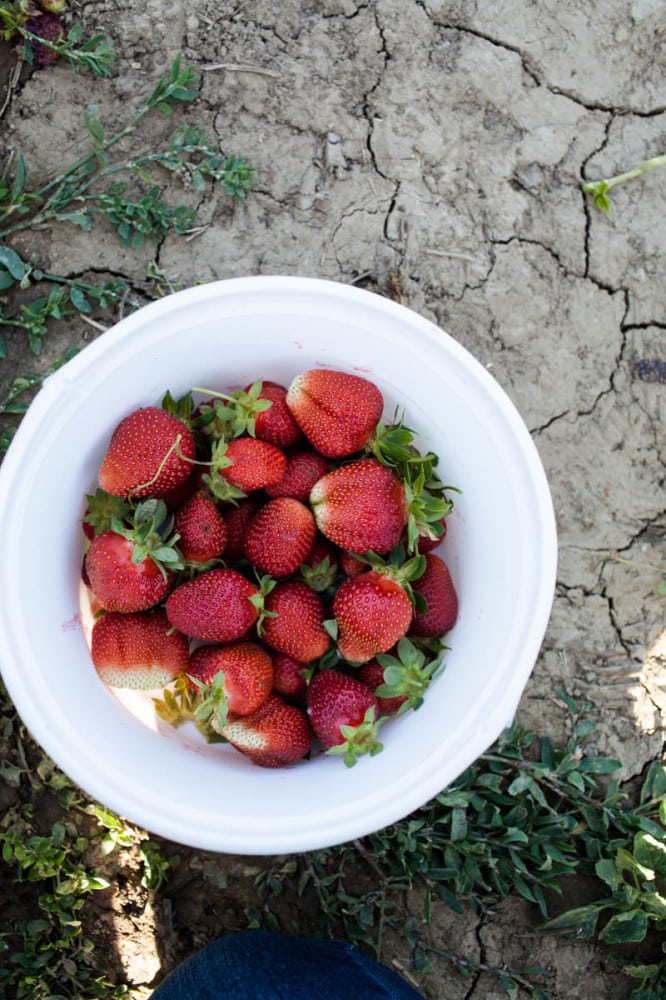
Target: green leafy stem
{"points": [[95, 54], [599, 189], [68, 196]]}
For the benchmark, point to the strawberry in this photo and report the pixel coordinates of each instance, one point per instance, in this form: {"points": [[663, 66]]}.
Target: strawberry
{"points": [[236, 678], [288, 677], [150, 453], [350, 564], [132, 568], [219, 605], [372, 610], [400, 677], [202, 529], [101, 510], [320, 567], [179, 495], [344, 714], [279, 536], [137, 650], [426, 543], [275, 735], [236, 518], [304, 468], [294, 622], [259, 410], [276, 423], [437, 590], [242, 465], [337, 412], [360, 506]]}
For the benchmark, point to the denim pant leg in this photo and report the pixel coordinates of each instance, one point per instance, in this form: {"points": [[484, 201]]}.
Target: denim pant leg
{"points": [[257, 965]]}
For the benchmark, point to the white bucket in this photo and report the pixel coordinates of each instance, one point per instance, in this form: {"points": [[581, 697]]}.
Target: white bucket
{"points": [[501, 548]]}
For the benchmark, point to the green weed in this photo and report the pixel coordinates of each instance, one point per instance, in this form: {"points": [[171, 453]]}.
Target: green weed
{"points": [[599, 189]]}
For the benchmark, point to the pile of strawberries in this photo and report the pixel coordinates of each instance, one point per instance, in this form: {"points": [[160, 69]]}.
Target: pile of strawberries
{"points": [[265, 557]]}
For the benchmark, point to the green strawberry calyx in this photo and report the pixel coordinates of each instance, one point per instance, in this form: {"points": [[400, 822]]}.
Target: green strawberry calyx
{"points": [[426, 501], [103, 508], [322, 576], [266, 584], [361, 739], [180, 704], [402, 568], [219, 487], [212, 709], [230, 416], [407, 674], [182, 408], [152, 536], [427, 504]]}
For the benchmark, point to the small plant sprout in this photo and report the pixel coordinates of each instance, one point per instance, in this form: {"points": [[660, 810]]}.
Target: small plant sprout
{"points": [[599, 189]]}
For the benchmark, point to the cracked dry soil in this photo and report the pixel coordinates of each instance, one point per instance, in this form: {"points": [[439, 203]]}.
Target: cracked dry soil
{"points": [[432, 150]]}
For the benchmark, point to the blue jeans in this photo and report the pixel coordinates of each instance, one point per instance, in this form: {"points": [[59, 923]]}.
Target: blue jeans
{"points": [[256, 965]]}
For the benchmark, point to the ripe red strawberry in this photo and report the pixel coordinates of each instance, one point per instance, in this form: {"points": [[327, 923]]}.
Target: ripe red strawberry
{"points": [[131, 568], [436, 587], [137, 650], [236, 519], [235, 678], [297, 626], [219, 605], [242, 465], [288, 677], [275, 735], [350, 564], [150, 453], [360, 506], [179, 495], [337, 412], [279, 536], [202, 529], [426, 543], [120, 584], [276, 424], [303, 470], [344, 714], [372, 611], [320, 567]]}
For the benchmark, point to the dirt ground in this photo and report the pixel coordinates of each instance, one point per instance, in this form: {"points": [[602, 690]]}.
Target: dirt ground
{"points": [[433, 150]]}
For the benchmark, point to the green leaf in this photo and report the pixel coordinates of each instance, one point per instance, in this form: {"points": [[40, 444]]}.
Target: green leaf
{"points": [[81, 219], [580, 921], [510, 986], [11, 261], [93, 123], [79, 300], [625, 927], [650, 852], [607, 871], [458, 824], [18, 184], [599, 765]]}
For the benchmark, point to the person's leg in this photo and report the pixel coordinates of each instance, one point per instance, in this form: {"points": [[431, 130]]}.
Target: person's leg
{"points": [[256, 965]]}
